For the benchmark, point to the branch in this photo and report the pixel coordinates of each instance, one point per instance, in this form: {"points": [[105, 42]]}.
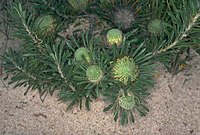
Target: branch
{"points": [[63, 77], [22, 70], [19, 14], [181, 36], [34, 38]]}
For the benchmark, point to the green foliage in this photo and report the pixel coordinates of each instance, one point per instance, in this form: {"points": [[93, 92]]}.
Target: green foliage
{"points": [[85, 66], [181, 21], [123, 14], [24, 22]]}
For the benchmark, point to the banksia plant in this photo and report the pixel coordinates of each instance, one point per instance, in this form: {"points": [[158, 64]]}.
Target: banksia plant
{"points": [[89, 79], [83, 67], [133, 71]]}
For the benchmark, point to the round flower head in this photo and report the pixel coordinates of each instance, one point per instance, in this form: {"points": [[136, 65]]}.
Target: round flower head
{"points": [[114, 37], [127, 102], [94, 74], [82, 54], [155, 26], [45, 25], [125, 69]]}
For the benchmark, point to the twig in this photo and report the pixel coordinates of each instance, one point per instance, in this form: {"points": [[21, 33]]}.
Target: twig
{"points": [[32, 35], [181, 36], [34, 38], [23, 71], [63, 77]]}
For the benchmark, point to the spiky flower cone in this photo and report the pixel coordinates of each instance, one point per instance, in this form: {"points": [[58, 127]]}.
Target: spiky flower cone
{"points": [[94, 74], [125, 69], [127, 102], [124, 18], [45, 25], [83, 54], [155, 26], [114, 37]]}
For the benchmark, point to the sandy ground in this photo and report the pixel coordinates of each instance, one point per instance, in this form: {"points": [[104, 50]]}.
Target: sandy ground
{"points": [[174, 109]]}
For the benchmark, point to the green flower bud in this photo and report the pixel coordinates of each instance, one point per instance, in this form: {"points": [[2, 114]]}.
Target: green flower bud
{"points": [[45, 25], [114, 37], [82, 54], [127, 102], [94, 74], [155, 26], [125, 69]]}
